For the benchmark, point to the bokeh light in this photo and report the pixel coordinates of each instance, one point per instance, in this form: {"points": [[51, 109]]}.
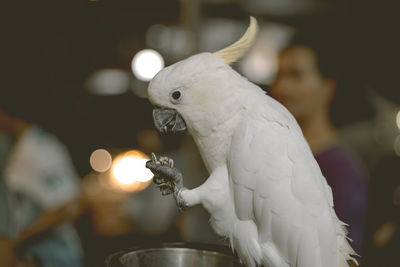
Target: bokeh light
{"points": [[146, 63], [175, 42], [109, 82], [100, 160], [384, 234], [261, 62], [129, 171], [259, 66]]}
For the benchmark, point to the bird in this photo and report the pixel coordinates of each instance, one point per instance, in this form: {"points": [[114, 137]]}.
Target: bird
{"points": [[265, 191]]}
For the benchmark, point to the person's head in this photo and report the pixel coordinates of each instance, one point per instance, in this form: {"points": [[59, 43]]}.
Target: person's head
{"points": [[306, 80]]}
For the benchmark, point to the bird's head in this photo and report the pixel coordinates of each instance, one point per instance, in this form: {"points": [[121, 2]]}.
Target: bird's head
{"points": [[192, 91]]}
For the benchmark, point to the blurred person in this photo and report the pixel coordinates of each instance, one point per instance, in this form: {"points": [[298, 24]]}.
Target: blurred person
{"points": [[40, 197], [306, 84]]}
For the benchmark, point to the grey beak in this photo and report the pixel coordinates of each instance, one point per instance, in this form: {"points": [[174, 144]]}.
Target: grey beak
{"points": [[168, 120]]}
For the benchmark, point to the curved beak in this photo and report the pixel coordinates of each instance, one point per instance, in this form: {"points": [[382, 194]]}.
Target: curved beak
{"points": [[168, 120]]}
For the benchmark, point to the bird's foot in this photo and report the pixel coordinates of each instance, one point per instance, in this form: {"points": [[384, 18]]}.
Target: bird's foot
{"points": [[168, 178]]}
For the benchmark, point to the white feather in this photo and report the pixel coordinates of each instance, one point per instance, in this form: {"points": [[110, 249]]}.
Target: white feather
{"points": [[236, 50]]}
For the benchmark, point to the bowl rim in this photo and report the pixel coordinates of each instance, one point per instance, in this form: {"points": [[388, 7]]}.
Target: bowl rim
{"points": [[113, 259]]}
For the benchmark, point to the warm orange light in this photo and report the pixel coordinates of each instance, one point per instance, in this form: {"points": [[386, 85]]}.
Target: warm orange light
{"points": [[129, 171]]}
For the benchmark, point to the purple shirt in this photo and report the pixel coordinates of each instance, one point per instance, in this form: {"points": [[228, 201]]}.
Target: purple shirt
{"points": [[347, 177]]}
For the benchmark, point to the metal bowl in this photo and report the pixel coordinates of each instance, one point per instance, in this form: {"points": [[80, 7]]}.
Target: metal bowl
{"points": [[175, 255]]}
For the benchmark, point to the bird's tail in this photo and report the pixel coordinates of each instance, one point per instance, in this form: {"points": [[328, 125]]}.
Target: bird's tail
{"points": [[346, 252], [244, 241]]}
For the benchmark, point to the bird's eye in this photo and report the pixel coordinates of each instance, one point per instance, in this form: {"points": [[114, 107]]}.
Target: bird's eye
{"points": [[176, 95]]}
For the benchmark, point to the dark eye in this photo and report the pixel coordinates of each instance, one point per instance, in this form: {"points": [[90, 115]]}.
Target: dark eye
{"points": [[176, 95]]}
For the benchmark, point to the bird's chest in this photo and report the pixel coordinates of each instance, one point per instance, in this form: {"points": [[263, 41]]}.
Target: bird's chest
{"points": [[213, 151]]}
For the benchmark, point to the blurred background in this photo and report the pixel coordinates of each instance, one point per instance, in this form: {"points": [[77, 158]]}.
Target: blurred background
{"points": [[80, 69]]}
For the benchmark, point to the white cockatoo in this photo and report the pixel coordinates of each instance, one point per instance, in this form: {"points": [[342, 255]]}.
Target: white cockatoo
{"points": [[265, 192]]}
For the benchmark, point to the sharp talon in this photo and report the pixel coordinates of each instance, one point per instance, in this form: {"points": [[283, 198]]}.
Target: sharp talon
{"points": [[158, 180], [166, 190], [153, 157], [163, 160], [165, 129], [171, 163]]}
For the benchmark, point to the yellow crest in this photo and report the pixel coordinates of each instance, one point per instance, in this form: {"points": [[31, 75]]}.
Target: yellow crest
{"points": [[236, 50]]}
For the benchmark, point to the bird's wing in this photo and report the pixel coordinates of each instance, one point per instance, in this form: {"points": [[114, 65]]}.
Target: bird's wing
{"points": [[276, 183]]}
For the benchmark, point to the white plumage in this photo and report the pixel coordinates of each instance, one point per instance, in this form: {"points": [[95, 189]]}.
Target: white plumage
{"points": [[265, 191]]}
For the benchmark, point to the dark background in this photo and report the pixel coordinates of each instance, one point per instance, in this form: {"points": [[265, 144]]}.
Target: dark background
{"points": [[52, 46]]}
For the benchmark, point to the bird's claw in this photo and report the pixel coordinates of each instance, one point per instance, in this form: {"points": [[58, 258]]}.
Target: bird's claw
{"points": [[167, 178], [165, 161], [165, 190], [154, 158]]}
